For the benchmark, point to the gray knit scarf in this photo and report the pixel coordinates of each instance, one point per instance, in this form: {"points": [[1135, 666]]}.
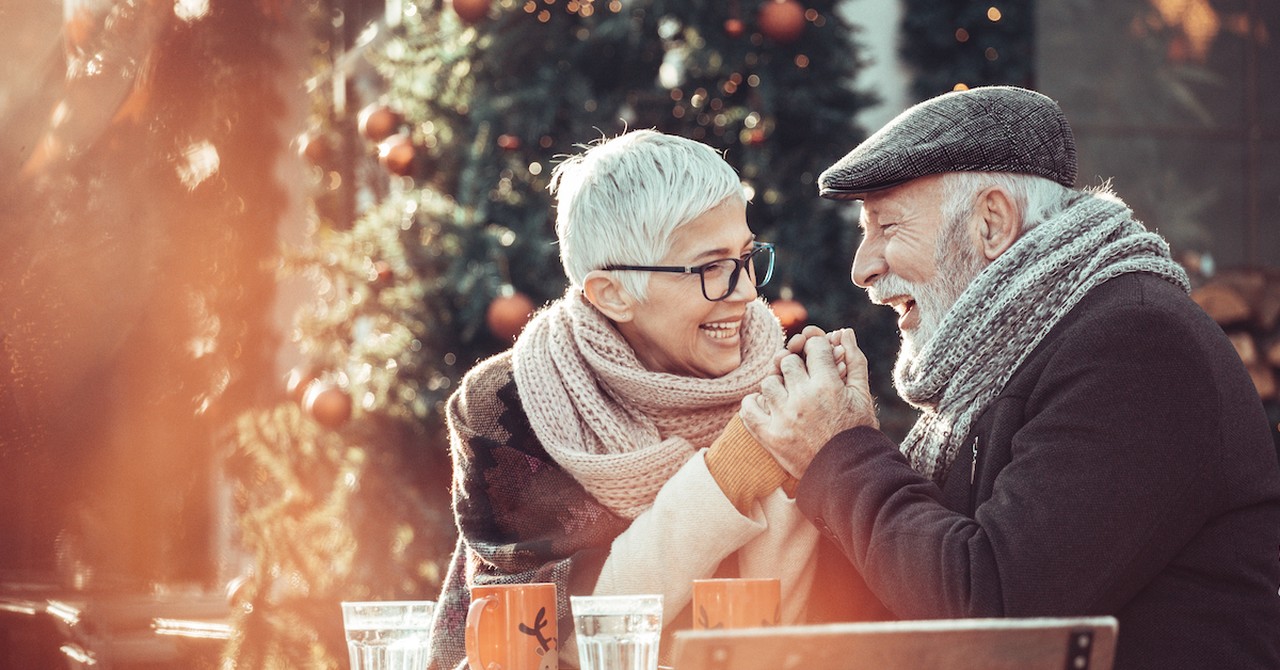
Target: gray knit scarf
{"points": [[1009, 308]]}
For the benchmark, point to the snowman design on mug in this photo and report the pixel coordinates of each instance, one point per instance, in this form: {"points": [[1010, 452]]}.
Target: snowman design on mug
{"points": [[550, 657]]}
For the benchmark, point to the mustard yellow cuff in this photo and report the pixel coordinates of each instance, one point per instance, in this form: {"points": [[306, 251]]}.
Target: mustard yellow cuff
{"points": [[742, 468]]}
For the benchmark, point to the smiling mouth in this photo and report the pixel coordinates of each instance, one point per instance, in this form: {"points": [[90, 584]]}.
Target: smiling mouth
{"points": [[721, 330], [902, 304]]}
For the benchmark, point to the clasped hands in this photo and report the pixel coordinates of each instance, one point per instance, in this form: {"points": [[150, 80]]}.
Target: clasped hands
{"points": [[819, 388]]}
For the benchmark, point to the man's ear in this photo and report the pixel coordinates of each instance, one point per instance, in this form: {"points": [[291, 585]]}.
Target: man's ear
{"points": [[602, 289], [999, 222]]}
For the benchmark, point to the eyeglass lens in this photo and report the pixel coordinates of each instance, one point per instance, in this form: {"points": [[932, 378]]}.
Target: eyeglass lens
{"points": [[720, 278]]}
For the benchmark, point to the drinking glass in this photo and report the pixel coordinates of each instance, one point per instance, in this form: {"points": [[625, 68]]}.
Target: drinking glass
{"points": [[617, 632], [388, 635]]}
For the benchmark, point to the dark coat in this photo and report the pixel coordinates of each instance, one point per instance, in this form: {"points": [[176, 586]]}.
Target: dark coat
{"points": [[1126, 469]]}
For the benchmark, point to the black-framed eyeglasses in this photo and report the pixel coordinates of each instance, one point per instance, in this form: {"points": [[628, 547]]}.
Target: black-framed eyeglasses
{"points": [[720, 277]]}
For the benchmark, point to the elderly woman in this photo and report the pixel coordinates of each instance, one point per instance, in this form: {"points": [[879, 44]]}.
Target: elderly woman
{"points": [[603, 452]]}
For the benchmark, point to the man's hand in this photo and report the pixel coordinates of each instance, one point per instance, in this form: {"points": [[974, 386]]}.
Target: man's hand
{"points": [[796, 346], [800, 408]]}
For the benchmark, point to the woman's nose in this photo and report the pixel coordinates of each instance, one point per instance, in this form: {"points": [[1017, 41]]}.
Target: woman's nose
{"points": [[745, 290]]}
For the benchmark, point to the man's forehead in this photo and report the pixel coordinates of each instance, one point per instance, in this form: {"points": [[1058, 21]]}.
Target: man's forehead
{"points": [[900, 199], [885, 203]]}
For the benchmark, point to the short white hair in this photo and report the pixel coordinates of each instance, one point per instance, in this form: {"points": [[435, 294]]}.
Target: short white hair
{"points": [[1038, 199], [620, 201]]}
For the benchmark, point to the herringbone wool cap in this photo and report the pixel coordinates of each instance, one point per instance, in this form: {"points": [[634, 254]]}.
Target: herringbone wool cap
{"points": [[985, 129]]}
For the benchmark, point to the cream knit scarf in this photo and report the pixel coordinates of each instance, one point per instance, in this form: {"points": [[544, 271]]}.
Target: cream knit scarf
{"points": [[1009, 308], [622, 431]]}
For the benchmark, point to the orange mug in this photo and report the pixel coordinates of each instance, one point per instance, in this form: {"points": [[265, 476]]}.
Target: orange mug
{"points": [[737, 603], [512, 627]]}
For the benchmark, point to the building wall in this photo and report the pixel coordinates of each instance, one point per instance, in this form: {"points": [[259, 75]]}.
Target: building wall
{"points": [[1174, 100], [885, 74]]}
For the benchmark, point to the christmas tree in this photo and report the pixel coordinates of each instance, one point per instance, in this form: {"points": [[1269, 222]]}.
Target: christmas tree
{"points": [[961, 44], [434, 241]]}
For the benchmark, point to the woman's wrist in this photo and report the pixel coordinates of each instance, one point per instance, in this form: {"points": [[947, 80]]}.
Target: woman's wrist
{"points": [[743, 469]]}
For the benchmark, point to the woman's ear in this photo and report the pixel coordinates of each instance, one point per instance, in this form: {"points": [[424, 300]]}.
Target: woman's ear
{"points": [[999, 222], [602, 289]]}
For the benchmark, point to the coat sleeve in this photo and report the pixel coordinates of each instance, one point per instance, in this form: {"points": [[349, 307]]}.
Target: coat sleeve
{"points": [[1109, 467]]}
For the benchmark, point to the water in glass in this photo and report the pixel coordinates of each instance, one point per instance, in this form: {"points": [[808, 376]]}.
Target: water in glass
{"points": [[618, 641]]}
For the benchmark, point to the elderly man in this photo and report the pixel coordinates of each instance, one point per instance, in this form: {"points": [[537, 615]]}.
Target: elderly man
{"points": [[1089, 442]]}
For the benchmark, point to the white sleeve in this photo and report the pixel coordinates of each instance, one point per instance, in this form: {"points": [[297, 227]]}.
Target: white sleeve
{"points": [[689, 530], [789, 551]]}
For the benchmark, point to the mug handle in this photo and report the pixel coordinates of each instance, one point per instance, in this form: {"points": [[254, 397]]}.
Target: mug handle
{"points": [[472, 636]]}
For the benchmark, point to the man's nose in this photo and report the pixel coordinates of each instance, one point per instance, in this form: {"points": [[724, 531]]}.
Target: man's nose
{"points": [[868, 264]]}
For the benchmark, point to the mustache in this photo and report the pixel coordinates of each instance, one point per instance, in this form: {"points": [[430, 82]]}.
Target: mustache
{"points": [[889, 286]]}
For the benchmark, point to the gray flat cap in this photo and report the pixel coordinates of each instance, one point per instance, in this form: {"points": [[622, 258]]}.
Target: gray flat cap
{"points": [[985, 129]]}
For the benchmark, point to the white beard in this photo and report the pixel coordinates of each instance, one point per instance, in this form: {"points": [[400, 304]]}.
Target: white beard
{"points": [[956, 269]]}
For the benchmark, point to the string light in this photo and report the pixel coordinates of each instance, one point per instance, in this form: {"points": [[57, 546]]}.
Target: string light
{"points": [[962, 35]]}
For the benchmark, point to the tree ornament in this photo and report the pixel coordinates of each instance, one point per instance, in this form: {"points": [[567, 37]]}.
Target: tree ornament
{"points": [[298, 379], [508, 314], [471, 11], [734, 27], [378, 122], [396, 154], [791, 314], [781, 20], [316, 148], [327, 403], [509, 142], [381, 274]]}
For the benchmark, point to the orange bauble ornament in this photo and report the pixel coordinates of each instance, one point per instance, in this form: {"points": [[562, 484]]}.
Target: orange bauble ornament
{"points": [[381, 274], [396, 154], [471, 11], [316, 147], [508, 314], [327, 403], [781, 20], [734, 27], [297, 381], [791, 314], [378, 122]]}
